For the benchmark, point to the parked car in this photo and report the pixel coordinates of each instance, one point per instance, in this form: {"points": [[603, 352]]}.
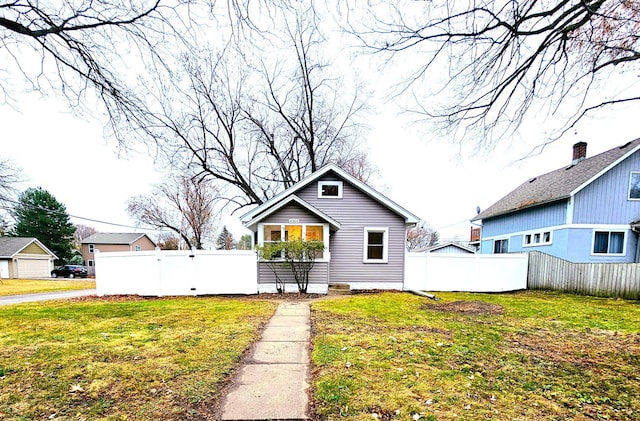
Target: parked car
{"points": [[69, 271]]}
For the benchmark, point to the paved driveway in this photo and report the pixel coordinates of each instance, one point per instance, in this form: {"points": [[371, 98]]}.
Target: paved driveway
{"points": [[44, 296]]}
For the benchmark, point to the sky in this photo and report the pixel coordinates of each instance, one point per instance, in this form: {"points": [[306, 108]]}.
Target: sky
{"points": [[439, 182], [419, 168]]}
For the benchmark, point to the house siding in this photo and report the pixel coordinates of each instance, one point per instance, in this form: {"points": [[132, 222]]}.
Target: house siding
{"points": [[33, 248], [606, 199], [355, 211], [318, 275], [292, 211], [529, 219]]}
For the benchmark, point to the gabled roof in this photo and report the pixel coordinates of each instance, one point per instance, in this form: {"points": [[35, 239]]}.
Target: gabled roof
{"points": [[114, 238], [561, 183], [437, 247], [293, 198], [390, 204], [11, 246]]}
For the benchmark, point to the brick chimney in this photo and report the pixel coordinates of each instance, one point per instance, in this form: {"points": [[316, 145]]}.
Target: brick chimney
{"points": [[579, 152]]}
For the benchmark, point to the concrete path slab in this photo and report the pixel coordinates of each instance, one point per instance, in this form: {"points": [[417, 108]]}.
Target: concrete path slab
{"points": [[281, 352], [274, 381]]}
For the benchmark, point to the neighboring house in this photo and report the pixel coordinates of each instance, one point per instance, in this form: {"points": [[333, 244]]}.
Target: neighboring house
{"points": [[25, 257], [363, 231], [108, 242], [446, 248], [584, 212]]}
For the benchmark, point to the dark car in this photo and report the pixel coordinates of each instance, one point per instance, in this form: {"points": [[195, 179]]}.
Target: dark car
{"points": [[69, 271]]}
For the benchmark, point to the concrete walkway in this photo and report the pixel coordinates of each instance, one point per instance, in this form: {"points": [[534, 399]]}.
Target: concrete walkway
{"points": [[274, 381], [44, 296]]}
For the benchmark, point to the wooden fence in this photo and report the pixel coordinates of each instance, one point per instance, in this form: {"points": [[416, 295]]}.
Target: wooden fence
{"points": [[598, 279]]}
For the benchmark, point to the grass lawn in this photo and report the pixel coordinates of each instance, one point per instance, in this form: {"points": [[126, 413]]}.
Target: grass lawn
{"points": [[29, 286], [521, 356], [122, 358]]}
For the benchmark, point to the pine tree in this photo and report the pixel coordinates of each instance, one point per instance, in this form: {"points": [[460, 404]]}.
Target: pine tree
{"points": [[225, 240], [38, 214]]}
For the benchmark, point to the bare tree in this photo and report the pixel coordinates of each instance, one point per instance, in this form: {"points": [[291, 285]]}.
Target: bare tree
{"points": [[82, 232], [87, 47], [257, 124], [168, 241], [421, 236], [10, 176], [482, 66], [184, 205]]}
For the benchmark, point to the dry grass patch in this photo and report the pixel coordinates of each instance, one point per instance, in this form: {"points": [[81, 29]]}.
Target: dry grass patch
{"points": [[29, 286], [129, 359], [522, 356]]}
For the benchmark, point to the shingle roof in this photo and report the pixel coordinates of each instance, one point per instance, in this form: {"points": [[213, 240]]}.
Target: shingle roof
{"points": [[385, 201], [559, 184], [113, 238], [10, 246]]}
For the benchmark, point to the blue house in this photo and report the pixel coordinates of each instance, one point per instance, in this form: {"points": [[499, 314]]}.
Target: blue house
{"points": [[588, 211]]}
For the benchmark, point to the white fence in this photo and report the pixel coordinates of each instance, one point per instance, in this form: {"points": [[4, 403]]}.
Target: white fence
{"points": [[160, 273], [465, 272]]}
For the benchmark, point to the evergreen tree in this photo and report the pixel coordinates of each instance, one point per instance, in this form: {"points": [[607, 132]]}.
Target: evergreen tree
{"points": [[38, 214], [225, 240]]}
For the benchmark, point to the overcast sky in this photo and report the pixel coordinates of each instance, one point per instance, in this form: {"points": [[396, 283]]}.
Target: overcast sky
{"points": [[424, 173]]}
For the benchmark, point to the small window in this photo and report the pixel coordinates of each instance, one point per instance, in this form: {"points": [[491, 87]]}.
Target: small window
{"points": [[375, 245], [634, 185], [501, 246], [90, 263], [92, 248], [137, 248], [541, 238], [608, 242], [330, 189]]}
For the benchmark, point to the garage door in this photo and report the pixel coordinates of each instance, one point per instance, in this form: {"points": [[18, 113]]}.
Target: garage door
{"points": [[33, 268]]}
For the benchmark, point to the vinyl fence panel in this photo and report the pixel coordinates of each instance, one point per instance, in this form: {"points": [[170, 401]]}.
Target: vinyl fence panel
{"points": [[468, 272], [167, 273]]}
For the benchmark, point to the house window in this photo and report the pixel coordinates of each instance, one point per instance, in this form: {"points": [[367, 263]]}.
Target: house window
{"points": [[537, 239], [137, 248], [90, 263], [608, 242], [330, 189], [375, 245], [274, 233], [501, 246], [634, 185], [92, 248]]}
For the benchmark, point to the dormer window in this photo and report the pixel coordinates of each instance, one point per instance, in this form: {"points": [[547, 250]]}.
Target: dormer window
{"points": [[330, 189]]}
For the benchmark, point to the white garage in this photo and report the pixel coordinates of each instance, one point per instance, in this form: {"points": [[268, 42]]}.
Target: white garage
{"points": [[24, 257]]}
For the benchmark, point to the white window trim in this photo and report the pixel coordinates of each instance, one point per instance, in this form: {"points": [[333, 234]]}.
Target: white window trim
{"points": [[541, 243], [329, 183], [385, 244], [629, 188], [91, 263], [326, 256], [593, 242], [92, 248], [493, 244]]}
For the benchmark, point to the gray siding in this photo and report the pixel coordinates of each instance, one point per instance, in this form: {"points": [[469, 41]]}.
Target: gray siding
{"points": [[354, 211], [282, 216], [606, 200], [319, 274]]}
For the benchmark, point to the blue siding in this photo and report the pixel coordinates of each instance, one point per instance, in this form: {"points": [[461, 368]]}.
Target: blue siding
{"points": [[605, 201], [528, 219], [581, 241]]}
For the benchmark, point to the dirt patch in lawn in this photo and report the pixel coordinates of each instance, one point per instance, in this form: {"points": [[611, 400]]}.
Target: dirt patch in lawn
{"points": [[474, 308]]}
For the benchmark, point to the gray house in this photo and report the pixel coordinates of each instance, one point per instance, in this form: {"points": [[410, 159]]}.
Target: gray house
{"points": [[363, 231]]}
